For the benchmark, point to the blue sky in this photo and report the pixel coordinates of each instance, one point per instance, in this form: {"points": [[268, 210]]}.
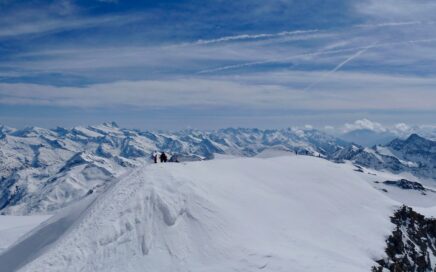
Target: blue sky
{"points": [[208, 64]]}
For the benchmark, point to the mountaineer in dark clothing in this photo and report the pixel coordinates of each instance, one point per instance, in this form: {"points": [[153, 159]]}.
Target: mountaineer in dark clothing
{"points": [[163, 157]]}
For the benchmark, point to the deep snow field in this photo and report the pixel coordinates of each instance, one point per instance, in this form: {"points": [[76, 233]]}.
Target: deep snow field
{"points": [[270, 213]]}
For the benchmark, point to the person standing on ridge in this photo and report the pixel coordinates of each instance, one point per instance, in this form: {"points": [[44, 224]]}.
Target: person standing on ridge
{"points": [[163, 157], [155, 155]]}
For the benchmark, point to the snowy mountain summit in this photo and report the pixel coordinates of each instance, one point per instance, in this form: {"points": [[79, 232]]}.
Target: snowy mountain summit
{"points": [[240, 200], [274, 214]]}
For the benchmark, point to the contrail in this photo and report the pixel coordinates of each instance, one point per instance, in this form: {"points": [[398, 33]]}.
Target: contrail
{"points": [[316, 53], [244, 37], [339, 66], [254, 36], [296, 32], [395, 24], [291, 33], [254, 63]]}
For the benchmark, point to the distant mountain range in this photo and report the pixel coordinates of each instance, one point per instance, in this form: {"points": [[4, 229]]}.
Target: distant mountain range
{"points": [[415, 155], [42, 170], [370, 137], [45, 169]]}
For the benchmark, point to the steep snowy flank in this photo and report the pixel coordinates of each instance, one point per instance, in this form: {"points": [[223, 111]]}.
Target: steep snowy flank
{"points": [[42, 170], [294, 213]]}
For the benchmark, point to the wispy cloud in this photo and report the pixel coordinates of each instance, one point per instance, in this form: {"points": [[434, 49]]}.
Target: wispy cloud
{"points": [[314, 54], [333, 31], [395, 24], [237, 92], [249, 54], [61, 24], [398, 9], [339, 66]]}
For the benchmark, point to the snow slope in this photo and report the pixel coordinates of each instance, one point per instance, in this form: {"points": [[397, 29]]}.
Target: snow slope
{"points": [[13, 227], [290, 213], [33, 244]]}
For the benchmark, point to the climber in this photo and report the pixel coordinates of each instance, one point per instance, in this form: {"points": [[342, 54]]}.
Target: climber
{"points": [[155, 156], [163, 157]]}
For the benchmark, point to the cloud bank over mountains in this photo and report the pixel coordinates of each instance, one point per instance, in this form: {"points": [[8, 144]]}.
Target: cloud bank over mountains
{"points": [[369, 133]]}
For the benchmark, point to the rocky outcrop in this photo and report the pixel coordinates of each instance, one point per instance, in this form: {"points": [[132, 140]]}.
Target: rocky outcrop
{"points": [[406, 184], [412, 245]]}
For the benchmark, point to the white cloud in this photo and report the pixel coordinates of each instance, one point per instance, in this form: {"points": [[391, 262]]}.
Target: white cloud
{"points": [[401, 130], [402, 127], [364, 124]]}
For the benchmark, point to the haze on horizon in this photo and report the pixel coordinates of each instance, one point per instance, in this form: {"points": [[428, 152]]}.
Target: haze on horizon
{"points": [[178, 64]]}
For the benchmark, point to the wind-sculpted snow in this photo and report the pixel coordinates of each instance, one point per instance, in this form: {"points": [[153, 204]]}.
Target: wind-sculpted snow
{"points": [[294, 213], [42, 170]]}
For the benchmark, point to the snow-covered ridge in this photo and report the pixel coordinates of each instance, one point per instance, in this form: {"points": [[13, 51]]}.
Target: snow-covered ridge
{"points": [[42, 170], [243, 214]]}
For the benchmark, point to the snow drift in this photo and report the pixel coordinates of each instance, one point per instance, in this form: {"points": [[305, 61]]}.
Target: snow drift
{"points": [[278, 214]]}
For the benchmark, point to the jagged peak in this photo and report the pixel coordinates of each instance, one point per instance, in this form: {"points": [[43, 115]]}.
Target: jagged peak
{"points": [[111, 124], [414, 137], [6, 129], [106, 127], [30, 130]]}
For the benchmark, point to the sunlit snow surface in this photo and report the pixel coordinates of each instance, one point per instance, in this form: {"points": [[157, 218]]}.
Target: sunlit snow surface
{"points": [[289, 213]]}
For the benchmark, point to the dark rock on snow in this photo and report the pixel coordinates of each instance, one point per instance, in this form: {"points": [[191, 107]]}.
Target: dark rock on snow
{"points": [[411, 246]]}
